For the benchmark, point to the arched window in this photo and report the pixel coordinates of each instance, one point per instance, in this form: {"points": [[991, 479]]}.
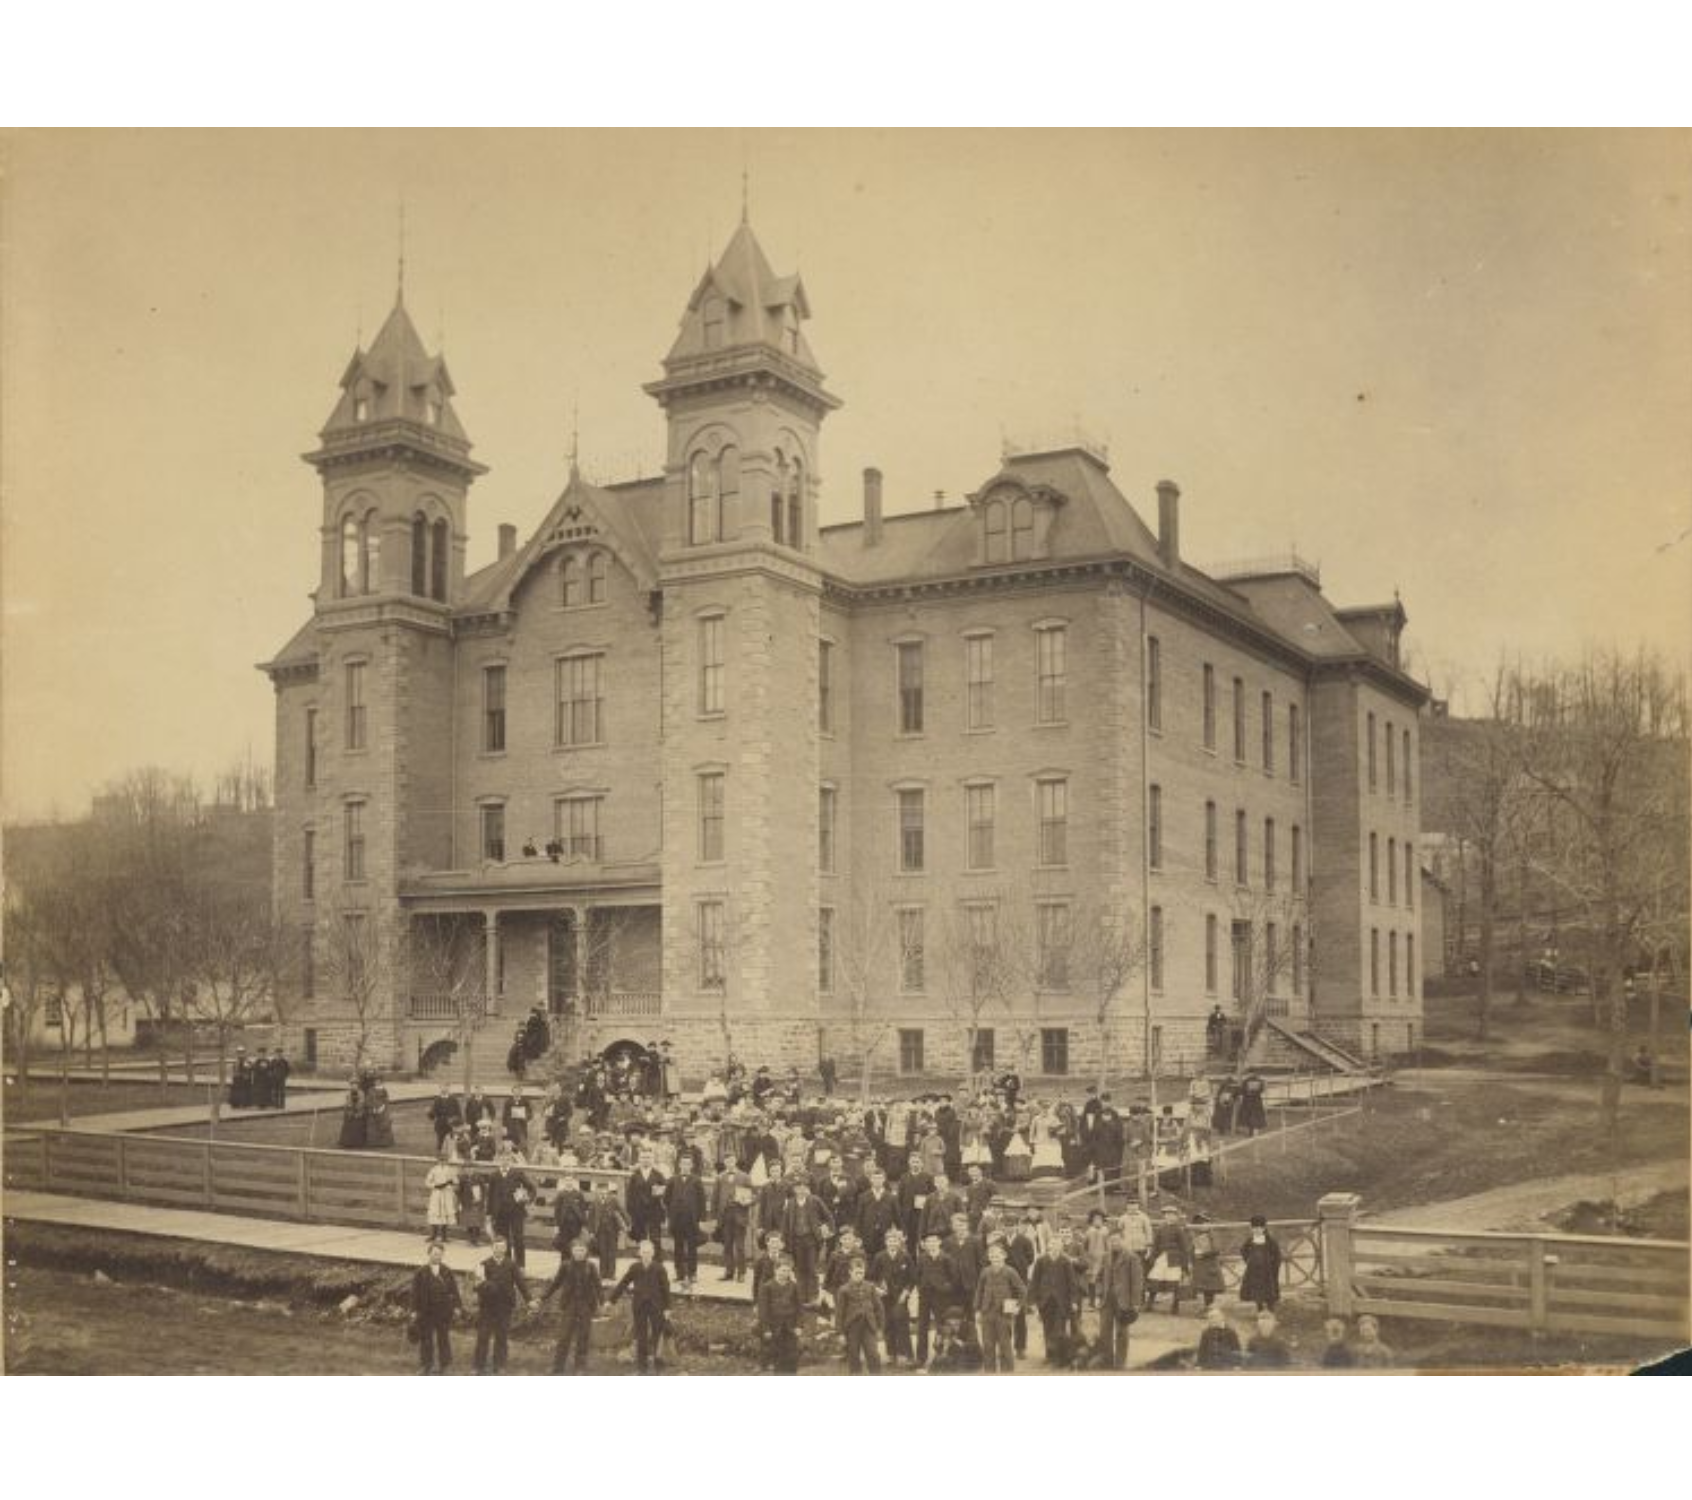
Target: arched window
{"points": [[778, 500], [1022, 529], [570, 570], [419, 555], [596, 578], [370, 544], [993, 520], [351, 552], [439, 540], [702, 510], [796, 505]]}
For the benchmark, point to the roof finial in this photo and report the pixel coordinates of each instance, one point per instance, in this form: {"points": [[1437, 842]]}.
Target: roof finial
{"points": [[745, 196], [575, 437], [399, 295]]}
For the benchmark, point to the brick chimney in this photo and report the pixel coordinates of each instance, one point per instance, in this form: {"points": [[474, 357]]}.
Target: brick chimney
{"points": [[1169, 523], [507, 540], [872, 507]]}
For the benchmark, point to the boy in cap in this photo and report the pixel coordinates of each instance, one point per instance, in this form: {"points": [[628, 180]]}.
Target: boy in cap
{"points": [[861, 1318], [778, 1319], [606, 1223], [499, 1287], [999, 1294], [938, 1290], [435, 1301], [894, 1272]]}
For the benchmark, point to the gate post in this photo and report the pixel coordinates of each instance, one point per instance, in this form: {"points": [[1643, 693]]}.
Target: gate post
{"points": [[1335, 1214]]}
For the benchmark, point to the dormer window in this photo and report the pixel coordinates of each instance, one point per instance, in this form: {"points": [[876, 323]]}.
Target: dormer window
{"points": [[790, 329], [1022, 530], [361, 409], [713, 318], [1016, 523], [432, 410], [993, 521]]}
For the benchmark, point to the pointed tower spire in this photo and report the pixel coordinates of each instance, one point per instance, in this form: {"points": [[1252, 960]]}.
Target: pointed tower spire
{"points": [[399, 294], [745, 196], [575, 438]]}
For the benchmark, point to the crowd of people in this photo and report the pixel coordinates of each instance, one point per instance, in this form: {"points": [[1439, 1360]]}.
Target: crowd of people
{"points": [[872, 1225]]}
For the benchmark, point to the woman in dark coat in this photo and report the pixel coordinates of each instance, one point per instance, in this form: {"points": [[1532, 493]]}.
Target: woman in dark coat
{"points": [[1207, 1262], [379, 1125], [1261, 1282], [353, 1132], [1251, 1113], [1222, 1110]]}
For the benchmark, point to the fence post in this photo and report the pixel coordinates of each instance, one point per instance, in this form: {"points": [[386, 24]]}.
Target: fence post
{"points": [[303, 1189], [206, 1176], [1538, 1311], [123, 1166], [399, 1192], [1336, 1213]]}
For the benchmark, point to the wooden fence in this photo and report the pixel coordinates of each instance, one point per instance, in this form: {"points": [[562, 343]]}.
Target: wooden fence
{"points": [[1541, 1282], [381, 1190]]}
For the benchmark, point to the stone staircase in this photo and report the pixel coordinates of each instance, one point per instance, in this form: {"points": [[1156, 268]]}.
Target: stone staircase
{"points": [[1281, 1045]]}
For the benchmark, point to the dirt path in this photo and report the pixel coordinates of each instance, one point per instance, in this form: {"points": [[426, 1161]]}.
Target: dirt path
{"points": [[1527, 1205]]}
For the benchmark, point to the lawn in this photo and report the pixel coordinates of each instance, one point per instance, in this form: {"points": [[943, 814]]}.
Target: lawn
{"points": [[38, 1098]]}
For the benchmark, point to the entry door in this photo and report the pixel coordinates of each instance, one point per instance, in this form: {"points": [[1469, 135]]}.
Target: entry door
{"points": [[561, 963]]}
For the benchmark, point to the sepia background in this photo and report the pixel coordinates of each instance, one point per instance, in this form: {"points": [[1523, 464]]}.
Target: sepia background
{"points": [[1453, 364]]}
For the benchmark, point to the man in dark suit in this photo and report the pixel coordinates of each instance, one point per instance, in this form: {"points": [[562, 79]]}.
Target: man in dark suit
{"points": [[877, 1212], [648, 1285], [1124, 1290], [805, 1226], [579, 1298], [279, 1071], [684, 1198], [445, 1115], [938, 1291], [915, 1189], [499, 1288], [435, 1302], [645, 1201], [509, 1195]]}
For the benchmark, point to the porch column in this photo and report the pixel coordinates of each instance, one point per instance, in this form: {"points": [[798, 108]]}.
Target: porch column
{"points": [[578, 939], [490, 958]]}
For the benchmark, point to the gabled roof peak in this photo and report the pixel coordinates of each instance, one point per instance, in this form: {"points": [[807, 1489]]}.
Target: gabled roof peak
{"points": [[740, 302], [396, 377]]}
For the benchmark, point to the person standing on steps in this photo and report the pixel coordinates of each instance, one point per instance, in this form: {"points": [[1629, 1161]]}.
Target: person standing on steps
{"points": [[444, 1114], [684, 1197]]}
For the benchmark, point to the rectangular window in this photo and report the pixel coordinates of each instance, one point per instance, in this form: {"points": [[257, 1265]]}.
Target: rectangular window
{"points": [[710, 922], [1297, 860], [575, 827], [1371, 752], [1392, 872], [1295, 744], [1239, 720], [355, 706], [308, 965], [711, 665], [1052, 941], [1374, 867], [1154, 683], [1268, 731], [911, 831], [311, 747], [1391, 761], [1242, 849], [1210, 854], [1410, 965], [1154, 948], [1271, 957], [1268, 854], [1392, 965], [1154, 826], [913, 966], [825, 687], [355, 841], [910, 687], [1407, 765], [1239, 953], [982, 1058], [1409, 874], [910, 1050], [825, 949], [828, 811], [1054, 823], [580, 710], [493, 708], [711, 816], [1209, 706], [979, 802], [1054, 1051], [308, 864], [1375, 961], [493, 831], [1210, 964], [1052, 647], [978, 681], [1298, 959]]}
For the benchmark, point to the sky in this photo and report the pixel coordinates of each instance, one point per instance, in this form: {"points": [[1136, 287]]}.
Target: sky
{"points": [[1454, 365]]}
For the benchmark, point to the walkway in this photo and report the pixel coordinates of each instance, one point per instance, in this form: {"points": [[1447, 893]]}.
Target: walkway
{"points": [[303, 1099]]}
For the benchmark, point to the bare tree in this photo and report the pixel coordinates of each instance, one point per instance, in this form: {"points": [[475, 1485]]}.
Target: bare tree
{"points": [[863, 962], [1269, 940], [1606, 740], [444, 957], [359, 964], [1106, 950], [236, 954], [980, 964]]}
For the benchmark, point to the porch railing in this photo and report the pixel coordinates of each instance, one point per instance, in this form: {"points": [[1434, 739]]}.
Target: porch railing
{"points": [[626, 1003], [431, 1005]]}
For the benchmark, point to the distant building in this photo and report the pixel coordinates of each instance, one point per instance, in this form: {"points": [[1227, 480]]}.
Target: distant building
{"points": [[726, 732]]}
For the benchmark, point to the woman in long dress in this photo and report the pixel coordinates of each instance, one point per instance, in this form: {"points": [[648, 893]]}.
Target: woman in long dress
{"points": [[354, 1133], [1043, 1136], [379, 1125]]}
